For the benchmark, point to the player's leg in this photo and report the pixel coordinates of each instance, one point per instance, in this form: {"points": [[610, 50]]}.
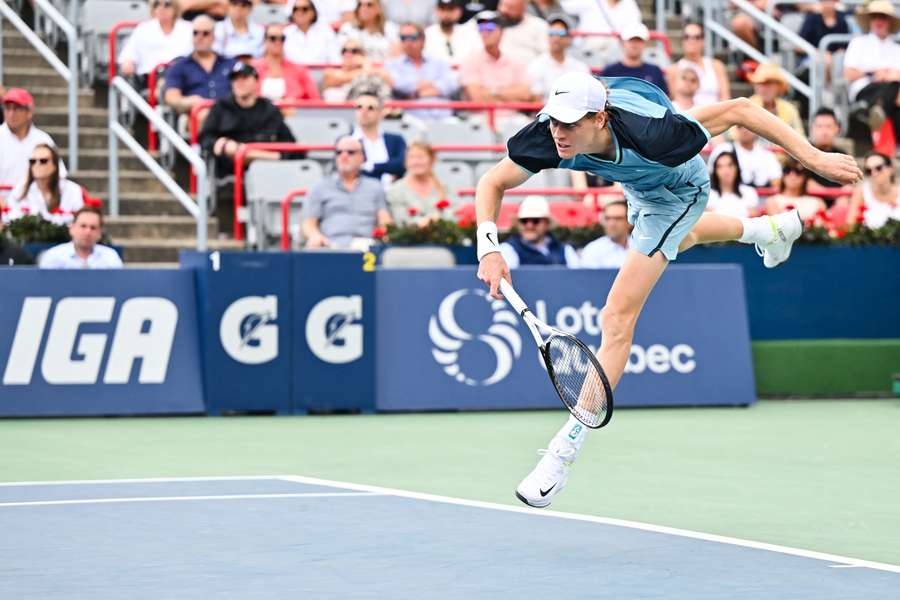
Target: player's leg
{"points": [[774, 235]]}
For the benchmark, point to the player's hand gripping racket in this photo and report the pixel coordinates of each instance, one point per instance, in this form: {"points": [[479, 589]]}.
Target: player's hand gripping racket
{"points": [[574, 370]]}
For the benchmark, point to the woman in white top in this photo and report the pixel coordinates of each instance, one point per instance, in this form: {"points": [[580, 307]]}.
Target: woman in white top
{"points": [[415, 197], [714, 85], [794, 181], [237, 35], [159, 40], [43, 192], [380, 38], [879, 194], [308, 39], [727, 195]]}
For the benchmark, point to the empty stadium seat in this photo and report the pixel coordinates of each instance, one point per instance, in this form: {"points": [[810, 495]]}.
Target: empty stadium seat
{"points": [[309, 130], [411, 131], [454, 175], [264, 14], [97, 19], [447, 133], [267, 183]]}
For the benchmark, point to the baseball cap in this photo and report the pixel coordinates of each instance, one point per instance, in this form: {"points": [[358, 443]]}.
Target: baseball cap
{"points": [[574, 95], [240, 69], [449, 3], [18, 96], [487, 16], [534, 207], [561, 18], [638, 30]]}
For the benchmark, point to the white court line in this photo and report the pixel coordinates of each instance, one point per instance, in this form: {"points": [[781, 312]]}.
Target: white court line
{"points": [[146, 480], [184, 498], [706, 537]]}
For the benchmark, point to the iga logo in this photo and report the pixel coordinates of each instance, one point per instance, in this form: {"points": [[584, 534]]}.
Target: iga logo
{"points": [[248, 332], [333, 329], [449, 338], [145, 331]]}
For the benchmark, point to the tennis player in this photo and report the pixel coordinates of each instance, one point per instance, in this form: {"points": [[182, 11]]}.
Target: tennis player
{"points": [[627, 130]]}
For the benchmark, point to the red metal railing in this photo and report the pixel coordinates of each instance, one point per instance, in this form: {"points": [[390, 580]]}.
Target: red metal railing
{"points": [[113, 34], [285, 214]]}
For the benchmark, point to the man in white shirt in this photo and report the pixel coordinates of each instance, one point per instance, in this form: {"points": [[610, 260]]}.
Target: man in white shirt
{"points": [[18, 137], [83, 252], [446, 39], [524, 35], [759, 166], [534, 244], [609, 251], [544, 70]]}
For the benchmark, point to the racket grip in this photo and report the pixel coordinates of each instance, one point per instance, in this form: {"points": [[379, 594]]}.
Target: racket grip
{"points": [[512, 297]]}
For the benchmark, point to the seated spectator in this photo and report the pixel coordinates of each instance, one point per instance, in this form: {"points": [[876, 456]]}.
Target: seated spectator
{"points": [[19, 136], [826, 21], [342, 210], [770, 85], [309, 40], [44, 192], [534, 244], [236, 35], [877, 200], [684, 90], [447, 39], [378, 36], [793, 194], [727, 195], [524, 35], [488, 75], [872, 66], [758, 166], [158, 40], [417, 77], [385, 152], [824, 136], [544, 70], [745, 27], [356, 69], [201, 75], [279, 78], [409, 11], [84, 251], [414, 198], [609, 251], [634, 41], [714, 85], [603, 16], [192, 9]]}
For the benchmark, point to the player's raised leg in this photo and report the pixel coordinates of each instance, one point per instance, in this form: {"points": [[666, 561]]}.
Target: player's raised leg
{"points": [[773, 235]]}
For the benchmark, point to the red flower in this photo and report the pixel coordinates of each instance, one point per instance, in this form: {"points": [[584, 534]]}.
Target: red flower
{"points": [[379, 232], [5, 209], [841, 233], [863, 208], [26, 209], [56, 211], [790, 207], [861, 217], [412, 211], [821, 214], [442, 204], [464, 222]]}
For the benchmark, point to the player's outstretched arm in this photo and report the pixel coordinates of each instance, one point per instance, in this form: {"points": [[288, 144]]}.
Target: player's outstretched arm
{"points": [[719, 117], [503, 176]]}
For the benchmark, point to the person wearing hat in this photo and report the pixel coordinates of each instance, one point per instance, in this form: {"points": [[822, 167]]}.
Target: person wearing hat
{"points": [[534, 244], [872, 65], [19, 136], [626, 130], [544, 70], [446, 38], [770, 85], [634, 41]]}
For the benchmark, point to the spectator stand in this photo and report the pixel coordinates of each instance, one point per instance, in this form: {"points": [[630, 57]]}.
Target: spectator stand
{"points": [[102, 26], [659, 54]]}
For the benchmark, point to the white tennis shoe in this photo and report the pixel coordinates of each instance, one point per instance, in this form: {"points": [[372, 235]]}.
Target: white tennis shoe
{"points": [[786, 228], [549, 476]]}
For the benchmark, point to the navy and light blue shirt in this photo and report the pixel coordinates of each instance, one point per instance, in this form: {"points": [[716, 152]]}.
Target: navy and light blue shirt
{"points": [[191, 79]]}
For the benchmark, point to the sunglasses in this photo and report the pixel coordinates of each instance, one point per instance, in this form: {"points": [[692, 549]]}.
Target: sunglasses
{"points": [[875, 169], [163, 4], [39, 161], [240, 3], [366, 107], [558, 33], [347, 152], [692, 36], [366, 4], [795, 171], [530, 221], [202, 32], [411, 37], [302, 8], [351, 50], [487, 27], [275, 38]]}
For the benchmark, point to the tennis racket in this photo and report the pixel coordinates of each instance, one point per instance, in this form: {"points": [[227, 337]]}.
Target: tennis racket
{"points": [[574, 370]]}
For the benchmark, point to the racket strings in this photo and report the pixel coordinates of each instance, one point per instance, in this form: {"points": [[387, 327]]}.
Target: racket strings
{"points": [[577, 379]]}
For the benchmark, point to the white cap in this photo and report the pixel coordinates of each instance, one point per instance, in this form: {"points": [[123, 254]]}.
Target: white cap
{"points": [[534, 207], [574, 95], [638, 30]]}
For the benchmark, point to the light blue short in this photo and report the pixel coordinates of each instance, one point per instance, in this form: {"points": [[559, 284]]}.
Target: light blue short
{"points": [[663, 217]]}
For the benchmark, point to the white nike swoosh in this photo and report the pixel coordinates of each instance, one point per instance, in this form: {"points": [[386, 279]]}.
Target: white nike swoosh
{"points": [[645, 237]]}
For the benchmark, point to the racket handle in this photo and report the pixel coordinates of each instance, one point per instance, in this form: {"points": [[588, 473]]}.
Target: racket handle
{"points": [[512, 297]]}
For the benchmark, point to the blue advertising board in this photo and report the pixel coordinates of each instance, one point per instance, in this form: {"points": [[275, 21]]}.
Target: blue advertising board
{"points": [[449, 346], [98, 343], [246, 317]]}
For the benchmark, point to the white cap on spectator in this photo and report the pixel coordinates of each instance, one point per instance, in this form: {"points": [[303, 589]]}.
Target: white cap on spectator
{"points": [[638, 30], [534, 207], [574, 95]]}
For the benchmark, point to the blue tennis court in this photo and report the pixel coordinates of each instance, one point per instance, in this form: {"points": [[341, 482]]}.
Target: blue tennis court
{"points": [[297, 537]]}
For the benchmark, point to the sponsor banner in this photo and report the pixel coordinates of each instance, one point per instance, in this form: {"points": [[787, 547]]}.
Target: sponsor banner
{"points": [[450, 346], [244, 300], [98, 343], [334, 331]]}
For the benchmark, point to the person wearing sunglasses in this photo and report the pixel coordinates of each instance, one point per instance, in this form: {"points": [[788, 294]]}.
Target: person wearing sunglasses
{"points": [[385, 152], [533, 244], [342, 210], [793, 193], [158, 40], [19, 136], [879, 194], [237, 35], [279, 78], [309, 39], [547, 67], [714, 84], [44, 191], [379, 37], [418, 77]]}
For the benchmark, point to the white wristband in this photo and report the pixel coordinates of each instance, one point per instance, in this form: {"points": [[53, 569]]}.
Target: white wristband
{"points": [[487, 239]]}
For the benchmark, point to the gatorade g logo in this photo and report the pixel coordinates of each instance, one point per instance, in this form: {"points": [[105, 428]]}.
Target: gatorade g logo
{"points": [[247, 330], [333, 329]]}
